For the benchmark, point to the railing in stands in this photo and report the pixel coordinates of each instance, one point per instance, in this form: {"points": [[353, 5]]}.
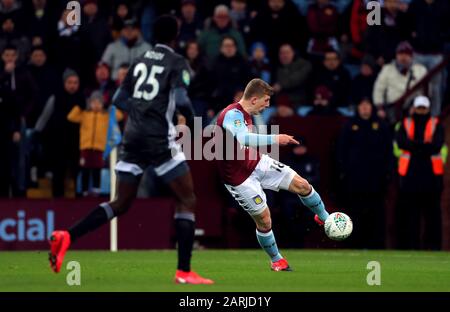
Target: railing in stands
{"points": [[423, 84]]}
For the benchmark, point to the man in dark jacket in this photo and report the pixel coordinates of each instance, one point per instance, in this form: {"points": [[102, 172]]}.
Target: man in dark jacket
{"points": [[230, 72], [335, 77], [9, 135], [420, 139], [95, 36], [365, 159], [11, 35], [291, 75], [220, 25], [22, 90], [45, 77], [60, 137], [429, 30], [362, 84], [381, 40], [190, 23], [274, 26]]}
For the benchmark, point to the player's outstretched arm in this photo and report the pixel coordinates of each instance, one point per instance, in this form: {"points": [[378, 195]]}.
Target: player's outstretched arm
{"points": [[235, 123], [284, 139]]}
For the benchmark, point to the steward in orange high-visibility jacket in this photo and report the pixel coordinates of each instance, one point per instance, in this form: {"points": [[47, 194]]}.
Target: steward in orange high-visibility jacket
{"points": [[422, 153]]}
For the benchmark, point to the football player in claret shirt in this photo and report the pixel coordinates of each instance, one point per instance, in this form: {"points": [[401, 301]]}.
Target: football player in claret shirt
{"points": [[246, 177]]}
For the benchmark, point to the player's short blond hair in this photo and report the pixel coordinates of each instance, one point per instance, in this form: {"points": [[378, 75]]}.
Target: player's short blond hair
{"points": [[257, 87]]}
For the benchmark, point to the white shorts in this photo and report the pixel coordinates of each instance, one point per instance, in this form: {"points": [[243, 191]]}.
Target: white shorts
{"points": [[268, 174]]}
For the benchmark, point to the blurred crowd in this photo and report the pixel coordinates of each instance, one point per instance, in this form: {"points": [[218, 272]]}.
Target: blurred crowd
{"points": [[57, 80]]}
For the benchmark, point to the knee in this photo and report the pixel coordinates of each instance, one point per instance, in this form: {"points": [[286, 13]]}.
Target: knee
{"points": [[302, 186], [265, 224], [121, 205], [188, 203]]}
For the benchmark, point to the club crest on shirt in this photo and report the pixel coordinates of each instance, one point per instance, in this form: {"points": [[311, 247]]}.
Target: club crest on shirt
{"points": [[257, 199], [237, 123]]}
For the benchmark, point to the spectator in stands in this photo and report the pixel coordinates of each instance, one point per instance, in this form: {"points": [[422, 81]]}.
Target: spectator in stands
{"points": [[10, 135], [382, 40], [240, 15], [365, 163], [20, 81], [274, 25], [335, 77], [220, 25], [362, 84], [358, 28], [103, 83], [95, 37], [23, 89], [10, 35], [428, 21], [200, 86], [45, 77], [260, 67], [340, 5], [8, 6], [322, 20], [41, 20], [190, 23], [125, 49], [68, 44], [12, 9], [121, 74], [296, 218], [60, 137], [121, 14], [93, 122], [322, 103], [284, 108], [291, 76], [395, 79], [259, 63], [420, 140], [230, 73]]}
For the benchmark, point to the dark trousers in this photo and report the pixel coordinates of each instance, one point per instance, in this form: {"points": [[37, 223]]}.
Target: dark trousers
{"points": [[419, 220], [62, 167], [367, 211], [86, 174], [5, 169]]}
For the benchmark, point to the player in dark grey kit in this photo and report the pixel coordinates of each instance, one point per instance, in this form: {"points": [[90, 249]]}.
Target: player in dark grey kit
{"points": [[154, 87]]}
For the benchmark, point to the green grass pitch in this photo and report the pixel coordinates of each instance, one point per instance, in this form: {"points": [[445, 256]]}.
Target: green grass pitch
{"points": [[232, 270]]}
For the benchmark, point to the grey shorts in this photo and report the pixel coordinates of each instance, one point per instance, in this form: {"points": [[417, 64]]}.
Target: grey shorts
{"points": [[167, 171]]}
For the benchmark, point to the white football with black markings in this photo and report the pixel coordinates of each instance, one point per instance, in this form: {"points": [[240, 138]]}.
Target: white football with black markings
{"points": [[338, 226]]}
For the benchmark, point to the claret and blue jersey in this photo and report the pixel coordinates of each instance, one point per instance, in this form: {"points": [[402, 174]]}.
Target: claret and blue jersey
{"points": [[236, 121]]}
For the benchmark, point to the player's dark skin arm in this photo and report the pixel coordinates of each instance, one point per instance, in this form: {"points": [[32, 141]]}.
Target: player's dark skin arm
{"points": [[120, 99]]}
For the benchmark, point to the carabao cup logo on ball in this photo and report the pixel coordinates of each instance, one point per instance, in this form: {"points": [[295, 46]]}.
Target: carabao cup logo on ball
{"points": [[338, 226], [340, 221]]}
